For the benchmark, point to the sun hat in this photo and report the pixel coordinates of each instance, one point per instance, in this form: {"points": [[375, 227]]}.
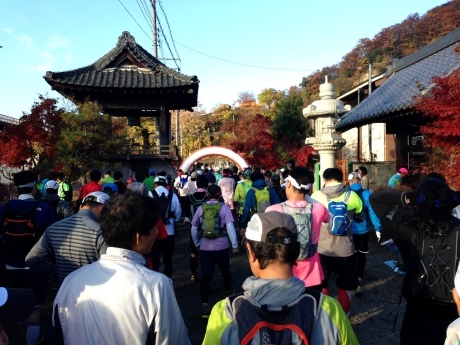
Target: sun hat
{"points": [[99, 197], [161, 179], [51, 184]]}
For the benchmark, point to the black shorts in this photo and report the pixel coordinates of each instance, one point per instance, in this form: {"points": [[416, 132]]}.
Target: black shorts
{"points": [[361, 242], [344, 269]]}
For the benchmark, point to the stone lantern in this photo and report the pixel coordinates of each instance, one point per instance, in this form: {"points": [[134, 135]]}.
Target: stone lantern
{"points": [[326, 112]]}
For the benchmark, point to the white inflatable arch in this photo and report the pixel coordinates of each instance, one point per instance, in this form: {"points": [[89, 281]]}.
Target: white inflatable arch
{"points": [[213, 151]]}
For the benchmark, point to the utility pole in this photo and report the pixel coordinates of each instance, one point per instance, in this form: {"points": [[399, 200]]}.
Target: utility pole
{"points": [[154, 28], [369, 126]]}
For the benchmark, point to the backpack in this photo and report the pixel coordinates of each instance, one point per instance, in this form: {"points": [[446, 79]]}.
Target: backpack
{"points": [[183, 180], [164, 203], [195, 203], [262, 199], [292, 324], [303, 220], [210, 221], [19, 232], [54, 204], [436, 259], [339, 221], [68, 194]]}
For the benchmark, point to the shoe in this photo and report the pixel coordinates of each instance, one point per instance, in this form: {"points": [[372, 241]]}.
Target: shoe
{"points": [[359, 290], [205, 311]]}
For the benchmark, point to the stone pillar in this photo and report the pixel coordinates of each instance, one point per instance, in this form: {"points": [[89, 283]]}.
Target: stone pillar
{"points": [[325, 112]]}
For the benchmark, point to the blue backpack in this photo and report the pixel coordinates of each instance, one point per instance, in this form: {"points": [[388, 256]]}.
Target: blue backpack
{"points": [[339, 221]]}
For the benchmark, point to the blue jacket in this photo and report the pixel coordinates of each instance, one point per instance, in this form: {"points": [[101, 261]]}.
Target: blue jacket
{"points": [[44, 217], [251, 202], [363, 227]]}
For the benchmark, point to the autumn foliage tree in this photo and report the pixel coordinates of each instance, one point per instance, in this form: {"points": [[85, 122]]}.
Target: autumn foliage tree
{"points": [[87, 135], [441, 108], [32, 143]]}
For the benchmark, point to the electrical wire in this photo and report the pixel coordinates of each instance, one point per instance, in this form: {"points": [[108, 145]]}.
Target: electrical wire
{"points": [[134, 20], [169, 28], [144, 11], [215, 57]]}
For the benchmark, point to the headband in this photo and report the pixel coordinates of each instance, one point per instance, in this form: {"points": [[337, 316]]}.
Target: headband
{"points": [[295, 183]]}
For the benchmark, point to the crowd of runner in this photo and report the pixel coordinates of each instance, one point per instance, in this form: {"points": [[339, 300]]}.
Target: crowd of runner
{"points": [[106, 256]]}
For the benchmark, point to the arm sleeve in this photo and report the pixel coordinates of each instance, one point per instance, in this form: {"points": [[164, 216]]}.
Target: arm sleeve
{"points": [[383, 202], [232, 234], [36, 257], [101, 246], [194, 234], [236, 195], [176, 206], [374, 219], [249, 203]]}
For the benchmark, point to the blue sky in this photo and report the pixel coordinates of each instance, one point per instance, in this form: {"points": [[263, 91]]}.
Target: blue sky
{"points": [[265, 43]]}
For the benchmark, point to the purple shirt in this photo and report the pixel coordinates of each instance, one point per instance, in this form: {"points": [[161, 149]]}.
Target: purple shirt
{"points": [[226, 219]]}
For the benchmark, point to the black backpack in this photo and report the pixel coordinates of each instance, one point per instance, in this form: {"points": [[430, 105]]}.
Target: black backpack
{"points": [[19, 232], [54, 204], [292, 324], [195, 203], [436, 261], [164, 202]]}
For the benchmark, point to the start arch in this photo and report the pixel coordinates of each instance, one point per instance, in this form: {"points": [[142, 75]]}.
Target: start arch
{"points": [[213, 151]]}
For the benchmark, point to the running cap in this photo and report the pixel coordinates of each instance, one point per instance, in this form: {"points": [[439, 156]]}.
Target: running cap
{"points": [[262, 223]]}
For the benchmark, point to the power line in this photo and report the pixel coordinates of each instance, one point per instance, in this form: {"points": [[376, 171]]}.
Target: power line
{"points": [[144, 11], [135, 20], [215, 57]]}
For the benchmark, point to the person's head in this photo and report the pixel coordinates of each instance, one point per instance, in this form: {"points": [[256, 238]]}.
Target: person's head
{"points": [[247, 172], [284, 173], [107, 172], [362, 171], [51, 187], [234, 170], [226, 172], [276, 180], [130, 222], [257, 176], [161, 181], [118, 175], [290, 164], [202, 181], [152, 172], [95, 175], [211, 179], [16, 304], [95, 202], [403, 172], [435, 220], [436, 175], [354, 178], [332, 175], [25, 181], [110, 189], [213, 192], [139, 187], [299, 181], [53, 175], [271, 240], [60, 177], [267, 175]]}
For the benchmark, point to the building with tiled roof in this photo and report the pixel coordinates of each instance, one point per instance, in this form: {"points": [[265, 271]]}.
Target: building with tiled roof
{"points": [[392, 103]]}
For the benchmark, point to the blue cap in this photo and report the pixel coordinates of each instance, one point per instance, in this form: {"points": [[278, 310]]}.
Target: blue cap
{"points": [[152, 172], [109, 185]]}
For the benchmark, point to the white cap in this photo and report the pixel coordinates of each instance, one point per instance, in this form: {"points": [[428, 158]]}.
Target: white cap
{"points": [[99, 197], [51, 184]]}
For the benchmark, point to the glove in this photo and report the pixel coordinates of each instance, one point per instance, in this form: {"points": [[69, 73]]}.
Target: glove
{"points": [[378, 235]]}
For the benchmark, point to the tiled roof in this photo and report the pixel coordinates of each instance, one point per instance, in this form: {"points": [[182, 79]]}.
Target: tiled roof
{"points": [[406, 78], [128, 65]]}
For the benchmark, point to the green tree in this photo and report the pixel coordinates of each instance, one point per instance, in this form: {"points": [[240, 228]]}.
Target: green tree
{"points": [[87, 136], [289, 123]]}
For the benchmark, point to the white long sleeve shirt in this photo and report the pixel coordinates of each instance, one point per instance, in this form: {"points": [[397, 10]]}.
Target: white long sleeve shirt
{"points": [[117, 300]]}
